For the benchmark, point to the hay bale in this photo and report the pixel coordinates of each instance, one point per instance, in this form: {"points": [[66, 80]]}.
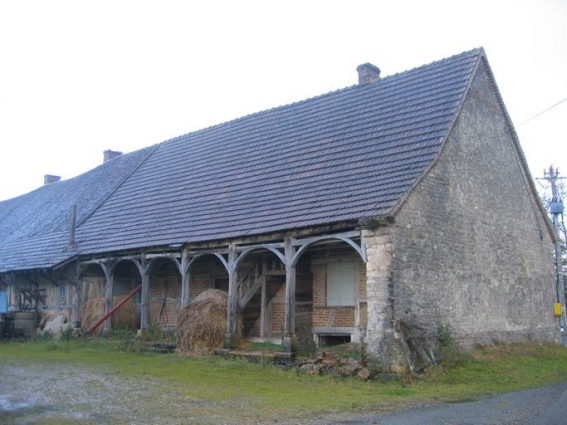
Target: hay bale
{"points": [[202, 324], [123, 318]]}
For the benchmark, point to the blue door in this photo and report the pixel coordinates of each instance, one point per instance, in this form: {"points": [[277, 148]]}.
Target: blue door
{"points": [[3, 302]]}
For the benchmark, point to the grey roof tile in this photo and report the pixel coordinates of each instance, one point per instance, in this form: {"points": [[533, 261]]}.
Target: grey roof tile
{"points": [[340, 156]]}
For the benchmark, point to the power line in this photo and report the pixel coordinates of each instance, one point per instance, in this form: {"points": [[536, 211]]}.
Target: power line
{"points": [[542, 112]]}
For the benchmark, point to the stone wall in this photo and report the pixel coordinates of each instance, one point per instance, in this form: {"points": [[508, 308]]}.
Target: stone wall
{"points": [[470, 248], [381, 342]]}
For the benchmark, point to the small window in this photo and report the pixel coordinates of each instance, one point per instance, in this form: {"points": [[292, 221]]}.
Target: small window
{"points": [[332, 340], [63, 293], [340, 284]]}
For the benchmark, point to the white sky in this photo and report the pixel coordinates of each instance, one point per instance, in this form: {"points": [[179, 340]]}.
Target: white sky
{"points": [[79, 77]]}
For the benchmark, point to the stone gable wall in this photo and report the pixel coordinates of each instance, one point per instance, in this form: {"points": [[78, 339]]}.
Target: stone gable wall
{"points": [[470, 247]]}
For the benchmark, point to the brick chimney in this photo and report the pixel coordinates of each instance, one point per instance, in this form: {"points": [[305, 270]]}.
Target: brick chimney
{"points": [[108, 155], [49, 178], [367, 73]]}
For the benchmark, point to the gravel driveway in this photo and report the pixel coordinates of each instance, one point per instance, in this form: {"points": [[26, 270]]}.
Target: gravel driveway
{"points": [[61, 394]]}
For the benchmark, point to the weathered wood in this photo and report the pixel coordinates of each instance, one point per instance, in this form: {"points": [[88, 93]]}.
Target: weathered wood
{"points": [[251, 248], [232, 298], [310, 240], [334, 330], [251, 291], [263, 302], [109, 274], [185, 282], [171, 255], [289, 327], [346, 237], [72, 223], [145, 313]]}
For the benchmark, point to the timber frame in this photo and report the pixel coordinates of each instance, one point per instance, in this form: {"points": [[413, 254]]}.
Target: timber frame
{"points": [[231, 256]]}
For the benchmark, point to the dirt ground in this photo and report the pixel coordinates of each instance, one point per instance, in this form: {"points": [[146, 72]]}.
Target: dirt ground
{"points": [[67, 394], [58, 393]]}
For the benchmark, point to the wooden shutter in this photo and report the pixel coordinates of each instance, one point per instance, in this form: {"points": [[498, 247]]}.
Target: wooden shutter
{"points": [[340, 284]]}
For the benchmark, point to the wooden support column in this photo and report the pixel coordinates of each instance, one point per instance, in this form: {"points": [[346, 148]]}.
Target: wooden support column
{"points": [[289, 340], [79, 291], [109, 273], [145, 316], [231, 337], [185, 282], [263, 304]]}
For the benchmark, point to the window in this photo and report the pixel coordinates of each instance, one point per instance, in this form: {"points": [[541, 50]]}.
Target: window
{"points": [[340, 284], [62, 293]]}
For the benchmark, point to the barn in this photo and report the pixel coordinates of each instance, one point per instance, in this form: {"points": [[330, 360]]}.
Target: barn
{"points": [[403, 199]]}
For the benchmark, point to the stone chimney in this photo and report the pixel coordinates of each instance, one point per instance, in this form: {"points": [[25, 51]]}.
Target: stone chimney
{"points": [[367, 73], [108, 155], [49, 178]]}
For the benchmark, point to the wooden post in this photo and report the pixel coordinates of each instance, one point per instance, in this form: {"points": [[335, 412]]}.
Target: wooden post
{"points": [[289, 340], [231, 337], [109, 273], [185, 282], [263, 301], [145, 316], [72, 223]]}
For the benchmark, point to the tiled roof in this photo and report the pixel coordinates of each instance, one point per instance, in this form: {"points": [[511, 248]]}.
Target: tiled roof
{"points": [[345, 155], [38, 252], [34, 227]]}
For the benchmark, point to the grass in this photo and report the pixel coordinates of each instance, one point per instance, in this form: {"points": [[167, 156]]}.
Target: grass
{"points": [[274, 392]]}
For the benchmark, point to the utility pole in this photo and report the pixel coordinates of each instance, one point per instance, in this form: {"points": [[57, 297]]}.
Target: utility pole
{"points": [[556, 210]]}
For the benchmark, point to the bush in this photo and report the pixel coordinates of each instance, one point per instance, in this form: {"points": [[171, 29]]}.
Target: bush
{"points": [[449, 352]]}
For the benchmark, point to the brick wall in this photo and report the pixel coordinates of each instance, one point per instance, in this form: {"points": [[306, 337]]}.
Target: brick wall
{"points": [[324, 316], [203, 274], [165, 295]]}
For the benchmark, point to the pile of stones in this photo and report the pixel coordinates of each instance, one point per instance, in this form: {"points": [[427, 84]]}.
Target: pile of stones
{"points": [[325, 363]]}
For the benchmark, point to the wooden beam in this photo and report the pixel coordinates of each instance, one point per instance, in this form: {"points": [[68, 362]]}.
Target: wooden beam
{"points": [[263, 303], [333, 330], [108, 295], [185, 281], [289, 341], [304, 241], [145, 313], [251, 291], [231, 336]]}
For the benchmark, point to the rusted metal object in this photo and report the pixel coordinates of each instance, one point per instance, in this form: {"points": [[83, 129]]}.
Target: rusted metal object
{"points": [[120, 304]]}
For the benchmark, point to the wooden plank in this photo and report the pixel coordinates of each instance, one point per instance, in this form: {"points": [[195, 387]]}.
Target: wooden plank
{"points": [[333, 331]]}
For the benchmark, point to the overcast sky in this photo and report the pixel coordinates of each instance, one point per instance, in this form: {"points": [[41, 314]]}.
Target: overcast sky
{"points": [[80, 77]]}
